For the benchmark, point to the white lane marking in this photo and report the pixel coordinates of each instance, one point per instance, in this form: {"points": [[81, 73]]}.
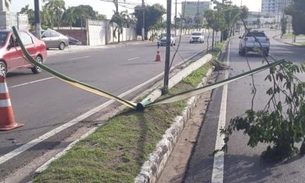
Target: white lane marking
{"points": [[49, 134], [218, 165], [36, 81], [133, 58], [78, 58]]}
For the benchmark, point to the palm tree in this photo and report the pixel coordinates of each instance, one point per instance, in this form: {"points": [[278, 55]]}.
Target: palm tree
{"points": [[25, 10], [121, 19], [56, 8], [46, 17], [70, 16], [8, 3]]}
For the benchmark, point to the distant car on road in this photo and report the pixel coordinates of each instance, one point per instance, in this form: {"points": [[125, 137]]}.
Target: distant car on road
{"points": [[197, 36], [11, 55], [54, 39], [254, 41], [162, 41]]}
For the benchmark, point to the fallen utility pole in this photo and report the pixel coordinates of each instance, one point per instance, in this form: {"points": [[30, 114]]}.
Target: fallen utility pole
{"points": [[168, 45]]}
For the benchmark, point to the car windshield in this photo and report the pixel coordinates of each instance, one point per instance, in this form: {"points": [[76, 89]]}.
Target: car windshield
{"points": [[256, 34], [3, 36], [196, 34], [163, 35]]}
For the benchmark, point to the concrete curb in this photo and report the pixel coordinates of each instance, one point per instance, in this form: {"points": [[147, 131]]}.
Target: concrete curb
{"points": [[280, 40], [154, 166]]}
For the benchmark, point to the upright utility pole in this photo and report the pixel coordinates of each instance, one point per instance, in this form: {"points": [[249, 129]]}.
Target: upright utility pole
{"points": [[197, 15], [116, 4], [176, 18], [143, 23], [168, 44], [37, 19], [222, 32]]}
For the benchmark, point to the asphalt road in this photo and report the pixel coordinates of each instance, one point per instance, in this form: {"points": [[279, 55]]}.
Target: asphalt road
{"points": [[242, 163], [42, 102]]}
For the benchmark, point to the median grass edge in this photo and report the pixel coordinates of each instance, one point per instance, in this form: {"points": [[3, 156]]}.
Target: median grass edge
{"points": [[117, 151]]}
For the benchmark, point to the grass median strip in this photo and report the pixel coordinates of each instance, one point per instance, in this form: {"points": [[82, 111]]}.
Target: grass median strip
{"points": [[117, 150]]}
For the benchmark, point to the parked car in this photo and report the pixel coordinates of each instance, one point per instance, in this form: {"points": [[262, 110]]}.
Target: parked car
{"points": [[11, 55], [254, 41], [162, 41], [73, 41], [54, 39], [197, 36]]}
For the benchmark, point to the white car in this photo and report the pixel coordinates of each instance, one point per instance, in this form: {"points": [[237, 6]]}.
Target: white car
{"points": [[254, 41], [162, 41], [197, 37]]}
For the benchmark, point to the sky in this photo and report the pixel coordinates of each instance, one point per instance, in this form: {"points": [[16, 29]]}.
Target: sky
{"points": [[107, 8]]}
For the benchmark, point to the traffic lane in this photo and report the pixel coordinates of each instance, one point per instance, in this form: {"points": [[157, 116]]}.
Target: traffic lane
{"points": [[43, 107], [242, 163], [39, 105], [129, 52]]}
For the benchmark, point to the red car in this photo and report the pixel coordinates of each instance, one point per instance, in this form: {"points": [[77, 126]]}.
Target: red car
{"points": [[11, 56]]}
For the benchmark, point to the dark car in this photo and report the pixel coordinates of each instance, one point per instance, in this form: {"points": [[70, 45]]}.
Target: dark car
{"points": [[73, 41], [11, 55]]}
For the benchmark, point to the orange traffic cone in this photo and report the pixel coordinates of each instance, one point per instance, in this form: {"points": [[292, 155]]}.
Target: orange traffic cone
{"points": [[158, 56], [7, 119]]}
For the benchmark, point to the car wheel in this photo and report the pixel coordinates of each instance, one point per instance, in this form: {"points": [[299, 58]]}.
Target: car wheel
{"points": [[36, 69], [3, 69], [62, 46]]}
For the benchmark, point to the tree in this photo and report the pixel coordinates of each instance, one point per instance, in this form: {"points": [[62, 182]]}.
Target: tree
{"points": [[120, 20], [281, 124], [56, 9], [70, 16], [284, 22], [215, 21], [46, 18], [84, 12], [153, 15], [8, 3], [231, 14], [296, 10], [101, 16], [30, 13]]}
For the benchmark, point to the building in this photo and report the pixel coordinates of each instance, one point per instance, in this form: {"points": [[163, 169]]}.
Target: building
{"points": [[192, 9], [255, 18], [275, 7]]}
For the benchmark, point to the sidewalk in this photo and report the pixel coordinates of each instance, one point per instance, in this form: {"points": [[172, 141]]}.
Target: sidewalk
{"points": [[300, 40], [74, 48]]}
